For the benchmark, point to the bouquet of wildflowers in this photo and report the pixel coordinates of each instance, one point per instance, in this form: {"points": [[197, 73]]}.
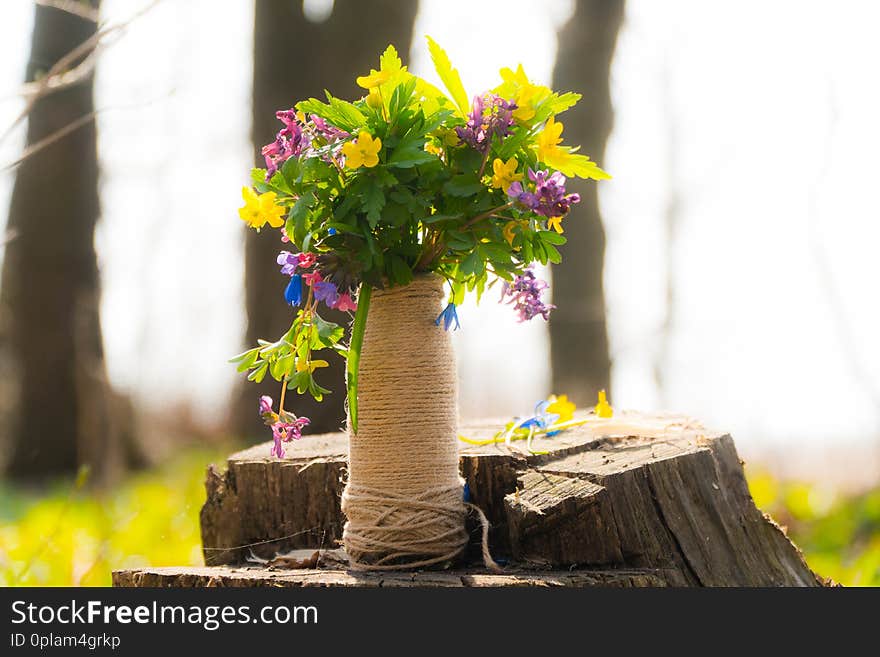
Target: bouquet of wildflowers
{"points": [[404, 181]]}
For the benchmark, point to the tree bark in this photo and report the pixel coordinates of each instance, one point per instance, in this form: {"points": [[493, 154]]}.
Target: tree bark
{"points": [[578, 336], [295, 59], [669, 504], [55, 400]]}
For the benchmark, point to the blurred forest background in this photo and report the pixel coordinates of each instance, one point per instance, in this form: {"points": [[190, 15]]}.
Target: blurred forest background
{"points": [[727, 271]]}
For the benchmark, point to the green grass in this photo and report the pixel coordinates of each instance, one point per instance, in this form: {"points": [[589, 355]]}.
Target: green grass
{"points": [[839, 534], [73, 537]]}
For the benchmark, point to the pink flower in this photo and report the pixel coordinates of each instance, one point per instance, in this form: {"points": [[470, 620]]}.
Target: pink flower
{"points": [[312, 278], [306, 260], [345, 303]]}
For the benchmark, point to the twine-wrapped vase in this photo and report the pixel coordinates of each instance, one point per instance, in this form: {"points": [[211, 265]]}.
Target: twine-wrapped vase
{"points": [[403, 499]]}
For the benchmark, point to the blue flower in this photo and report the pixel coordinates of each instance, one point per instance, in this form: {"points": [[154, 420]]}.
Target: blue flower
{"points": [[293, 294], [326, 292], [447, 317], [331, 231]]}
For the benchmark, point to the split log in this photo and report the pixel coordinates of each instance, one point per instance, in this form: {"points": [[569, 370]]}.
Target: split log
{"points": [[632, 501]]}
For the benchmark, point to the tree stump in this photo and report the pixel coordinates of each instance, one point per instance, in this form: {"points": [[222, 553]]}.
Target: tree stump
{"points": [[635, 500]]}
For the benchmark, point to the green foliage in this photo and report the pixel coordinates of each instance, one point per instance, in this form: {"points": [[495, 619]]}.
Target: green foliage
{"points": [[839, 534], [72, 537], [291, 357]]}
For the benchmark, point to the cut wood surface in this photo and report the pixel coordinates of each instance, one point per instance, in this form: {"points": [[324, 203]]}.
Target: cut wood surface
{"points": [[635, 500]]}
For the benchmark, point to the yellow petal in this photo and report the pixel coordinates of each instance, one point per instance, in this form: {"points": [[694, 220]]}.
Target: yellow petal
{"points": [[603, 408]]}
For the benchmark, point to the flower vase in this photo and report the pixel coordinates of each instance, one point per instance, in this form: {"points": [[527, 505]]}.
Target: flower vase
{"points": [[403, 499]]}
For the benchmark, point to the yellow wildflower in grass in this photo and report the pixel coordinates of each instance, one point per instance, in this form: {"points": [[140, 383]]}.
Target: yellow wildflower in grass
{"points": [[602, 407], [374, 79], [258, 209], [561, 407], [504, 173], [556, 224], [364, 151]]}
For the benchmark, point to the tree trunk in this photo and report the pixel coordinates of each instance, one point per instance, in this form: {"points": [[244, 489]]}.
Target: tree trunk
{"points": [[295, 59], [578, 337], [55, 400], [655, 500]]}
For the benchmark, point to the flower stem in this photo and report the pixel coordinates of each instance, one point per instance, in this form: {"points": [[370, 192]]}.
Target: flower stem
{"points": [[487, 214], [483, 165], [352, 361]]}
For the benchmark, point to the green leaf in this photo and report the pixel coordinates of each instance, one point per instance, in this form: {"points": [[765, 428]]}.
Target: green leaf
{"points": [[560, 103], [458, 241], [328, 332], [473, 263], [373, 202], [299, 381], [551, 237], [400, 98], [296, 227], [450, 77], [354, 354], [400, 272], [463, 185], [260, 373], [409, 153], [349, 117]]}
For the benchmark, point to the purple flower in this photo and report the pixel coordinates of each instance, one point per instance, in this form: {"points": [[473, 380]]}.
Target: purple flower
{"points": [[289, 262], [289, 142], [525, 295], [549, 198], [265, 405], [326, 292], [521, 196], [490, 116], [329, 132], [283, 431], [447, 317]]}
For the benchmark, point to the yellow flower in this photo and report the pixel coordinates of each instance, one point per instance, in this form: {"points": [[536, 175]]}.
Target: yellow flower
{"points": [[504, 173], [310, 366], [362, 152], [374, 98], [549, 140], [526, 95], [603, 408], [259, 209], [508, 233], [374, 79], [562, 407], [556, 224], [563, 159], [433, 148]]}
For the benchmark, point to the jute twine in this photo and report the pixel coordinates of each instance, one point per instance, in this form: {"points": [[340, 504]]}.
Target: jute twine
{"points": [[403, 499]]}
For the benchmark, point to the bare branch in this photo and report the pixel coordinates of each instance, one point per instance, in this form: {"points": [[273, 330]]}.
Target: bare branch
{"points": [[48, 140], [55, 79]]}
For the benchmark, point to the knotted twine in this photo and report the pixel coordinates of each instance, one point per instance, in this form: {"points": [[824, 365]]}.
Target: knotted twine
{"points": [[403, 499]]}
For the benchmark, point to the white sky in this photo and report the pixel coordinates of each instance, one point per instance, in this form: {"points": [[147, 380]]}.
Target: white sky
{"points": [[775, 109]]}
